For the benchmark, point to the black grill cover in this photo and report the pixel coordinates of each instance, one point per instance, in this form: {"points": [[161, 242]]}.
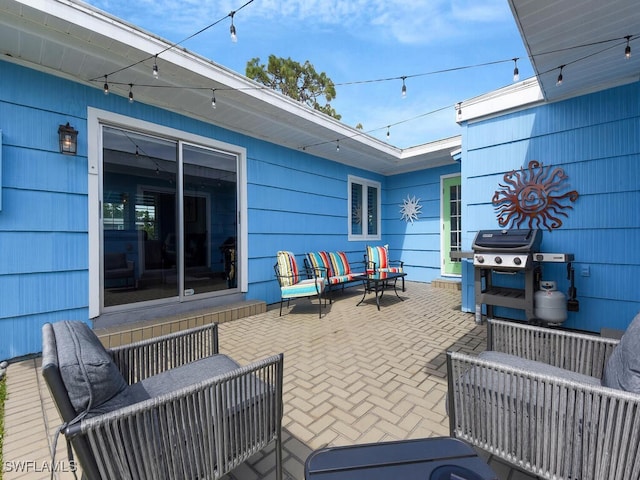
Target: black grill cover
{"points": [[514, 240]]}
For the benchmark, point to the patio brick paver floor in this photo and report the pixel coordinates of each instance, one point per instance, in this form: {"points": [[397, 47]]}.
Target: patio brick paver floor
{"points": [[357, 375]]}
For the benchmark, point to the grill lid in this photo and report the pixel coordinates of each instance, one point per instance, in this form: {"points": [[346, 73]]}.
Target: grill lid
{"points": [[514, 240]]}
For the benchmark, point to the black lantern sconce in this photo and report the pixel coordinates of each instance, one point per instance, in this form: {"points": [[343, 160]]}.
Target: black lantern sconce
{"points": [[68, 137]]}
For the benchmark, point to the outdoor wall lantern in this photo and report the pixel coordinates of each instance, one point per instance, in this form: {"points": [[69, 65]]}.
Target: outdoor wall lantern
{"points": [[68, 137]]}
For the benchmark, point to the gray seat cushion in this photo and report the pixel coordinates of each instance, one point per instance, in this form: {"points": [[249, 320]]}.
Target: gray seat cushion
{"points": [[537, 367], [623, 367], [169, 381], [90, 376]]}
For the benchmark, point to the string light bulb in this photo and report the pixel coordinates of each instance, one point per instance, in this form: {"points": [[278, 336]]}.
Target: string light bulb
{"points": [[388, 132], [459, 109], [404, 88], [106, 86], [338, 145], [155, 67], [232, 29], [560, 78], [131, 93], [627, 50], [213, 98], [516, 72]]}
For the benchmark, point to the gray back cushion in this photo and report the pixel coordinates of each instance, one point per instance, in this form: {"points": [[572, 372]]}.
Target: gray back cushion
{"points": [[623, 368], [87, 370]]}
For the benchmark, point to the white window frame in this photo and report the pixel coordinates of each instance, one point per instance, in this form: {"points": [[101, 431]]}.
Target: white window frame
{"points": [[97, 117], [366, 183]]}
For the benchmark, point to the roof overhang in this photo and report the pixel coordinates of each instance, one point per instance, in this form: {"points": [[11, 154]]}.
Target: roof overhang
{"points": [[76, 41], [514, 97], [586, 36]]}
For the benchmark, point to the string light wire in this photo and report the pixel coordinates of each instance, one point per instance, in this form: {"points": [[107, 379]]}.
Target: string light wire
{"points": [[626, 39], [174, 45], [367, 132]]}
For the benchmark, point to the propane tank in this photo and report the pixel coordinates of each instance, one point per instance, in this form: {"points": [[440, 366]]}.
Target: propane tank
{"points": [[550, 304]]}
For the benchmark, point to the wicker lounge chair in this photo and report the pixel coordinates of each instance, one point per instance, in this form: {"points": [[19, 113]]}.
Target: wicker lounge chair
{"points": [[170, 407], [558, 404]]}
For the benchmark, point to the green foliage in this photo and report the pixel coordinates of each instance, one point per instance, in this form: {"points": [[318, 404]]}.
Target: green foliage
{"points": [[298, 81]]}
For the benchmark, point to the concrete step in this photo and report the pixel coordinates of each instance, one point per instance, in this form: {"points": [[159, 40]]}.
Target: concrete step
{"points": [[447, 284], [134, 332]]}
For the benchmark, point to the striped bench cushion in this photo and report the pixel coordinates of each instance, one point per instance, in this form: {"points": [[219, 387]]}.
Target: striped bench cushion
{"points": [[391, 270], [320, 261], [304, 288], [339, 264], [343, 278]]}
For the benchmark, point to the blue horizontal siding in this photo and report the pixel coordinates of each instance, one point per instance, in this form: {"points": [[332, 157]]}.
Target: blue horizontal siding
{"points": [[43, 252], [273, 198], [34, 293], [22, 335], [42, 211], [29, 169], [596, 140], [606, 107]]}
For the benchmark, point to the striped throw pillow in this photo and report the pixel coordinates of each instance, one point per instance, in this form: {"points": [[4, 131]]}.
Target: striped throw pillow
{"points": [[289, 274], [339, 264], [379, 256], [320, 260]]}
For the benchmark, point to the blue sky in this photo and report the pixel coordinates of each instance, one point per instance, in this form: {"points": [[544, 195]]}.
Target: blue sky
{"points": [[358, 41]]}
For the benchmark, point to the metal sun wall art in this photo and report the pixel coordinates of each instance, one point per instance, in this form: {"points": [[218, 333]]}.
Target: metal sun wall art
{"points": [[531, 196], [410, 209]]}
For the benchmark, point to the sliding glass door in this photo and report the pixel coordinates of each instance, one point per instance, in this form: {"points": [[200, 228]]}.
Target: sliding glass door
{"points": [[209, 217], [169, 218]]}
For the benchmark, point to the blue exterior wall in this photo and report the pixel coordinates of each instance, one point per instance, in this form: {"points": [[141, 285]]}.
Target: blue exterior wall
{"points": [[596, 140], [296, 202], [417, 243], [299, 203]]}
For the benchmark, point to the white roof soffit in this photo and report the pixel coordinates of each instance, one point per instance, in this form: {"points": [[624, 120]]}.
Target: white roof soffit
{"points": [[74, 40], [587, 37], [510, 98]]}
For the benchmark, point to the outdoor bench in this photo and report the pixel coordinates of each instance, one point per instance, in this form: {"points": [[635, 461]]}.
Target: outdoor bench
{"points": [[334, 266], [168, 407]]}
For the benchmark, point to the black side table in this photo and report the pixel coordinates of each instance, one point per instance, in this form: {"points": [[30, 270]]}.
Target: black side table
{"points": [[423, 459], [377, 282]]}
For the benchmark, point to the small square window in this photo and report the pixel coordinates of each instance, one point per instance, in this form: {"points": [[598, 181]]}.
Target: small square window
{"points": [[364, 209]]}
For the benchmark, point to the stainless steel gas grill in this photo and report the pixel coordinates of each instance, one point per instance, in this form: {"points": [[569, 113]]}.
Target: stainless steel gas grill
{"points": [[512, 252]]}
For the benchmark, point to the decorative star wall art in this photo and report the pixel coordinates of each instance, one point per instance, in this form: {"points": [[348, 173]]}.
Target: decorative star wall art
{"points": [[410, 209]]}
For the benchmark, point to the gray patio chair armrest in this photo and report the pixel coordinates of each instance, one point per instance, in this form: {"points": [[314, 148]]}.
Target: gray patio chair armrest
{"points": [[201, 431], [578, 352], [550, 426], [146, 358]]}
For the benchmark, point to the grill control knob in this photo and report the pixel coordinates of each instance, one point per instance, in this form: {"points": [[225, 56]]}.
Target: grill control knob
{"points": [[498, 260], [480, 259], [517, 261]]}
